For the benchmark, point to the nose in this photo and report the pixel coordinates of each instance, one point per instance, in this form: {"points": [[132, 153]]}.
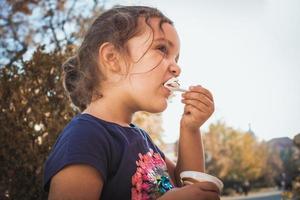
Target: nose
{"points": [[175, 69]]}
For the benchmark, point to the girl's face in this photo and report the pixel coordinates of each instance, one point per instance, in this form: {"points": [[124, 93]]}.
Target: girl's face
{"points": [[154, 55]]}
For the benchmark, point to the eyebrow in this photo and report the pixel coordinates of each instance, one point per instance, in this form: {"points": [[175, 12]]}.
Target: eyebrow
{"points": [[169, 42]]}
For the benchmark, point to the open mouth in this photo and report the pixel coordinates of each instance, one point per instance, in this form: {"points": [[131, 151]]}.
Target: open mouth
{"points": [[173, 85]]}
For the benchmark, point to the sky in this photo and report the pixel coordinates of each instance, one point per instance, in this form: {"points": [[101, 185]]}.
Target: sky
{"points": [[247, 53]]}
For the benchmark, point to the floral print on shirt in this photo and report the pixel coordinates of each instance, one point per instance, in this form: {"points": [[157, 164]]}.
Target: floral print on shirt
{"points": [[151, 179]]}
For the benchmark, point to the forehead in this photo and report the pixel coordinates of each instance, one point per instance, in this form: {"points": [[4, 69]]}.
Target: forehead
{"points": [[146, 33], [166, 31]]}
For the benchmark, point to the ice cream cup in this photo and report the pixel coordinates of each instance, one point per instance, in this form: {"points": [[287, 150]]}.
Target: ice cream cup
{"points": [[191, 177]]}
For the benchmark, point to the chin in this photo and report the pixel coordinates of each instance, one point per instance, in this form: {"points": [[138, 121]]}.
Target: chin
{"points": [[157, 107]]}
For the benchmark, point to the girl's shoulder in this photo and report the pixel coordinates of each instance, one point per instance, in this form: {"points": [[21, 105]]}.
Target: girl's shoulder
{"points": [[84, 126]]}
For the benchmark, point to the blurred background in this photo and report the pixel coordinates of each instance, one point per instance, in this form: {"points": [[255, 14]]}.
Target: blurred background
{"points": [[246, 52]]}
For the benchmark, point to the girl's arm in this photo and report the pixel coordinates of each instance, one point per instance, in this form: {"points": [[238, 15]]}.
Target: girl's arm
{"points": [[77, 181], [190, 149], [190, 153], [199, 106], [190, 156]]}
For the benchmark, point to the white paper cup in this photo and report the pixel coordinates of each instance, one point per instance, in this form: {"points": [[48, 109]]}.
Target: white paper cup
{"points": [[189, 177]]}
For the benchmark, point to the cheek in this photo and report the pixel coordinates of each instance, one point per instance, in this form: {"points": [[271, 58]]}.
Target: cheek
{"points": [[149, 93], [154, 79], [144, 83], [147, 63], [149, 79]]}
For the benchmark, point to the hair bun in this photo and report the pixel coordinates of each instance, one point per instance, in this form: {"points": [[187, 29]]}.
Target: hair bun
{"points": [[72, 74], [71, 64]]}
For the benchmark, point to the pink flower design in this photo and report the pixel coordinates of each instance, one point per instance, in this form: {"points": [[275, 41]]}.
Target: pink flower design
{"points": [[151, 179]]}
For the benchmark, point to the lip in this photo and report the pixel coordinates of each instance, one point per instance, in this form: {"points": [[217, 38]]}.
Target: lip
{"points": [[166, 90]]}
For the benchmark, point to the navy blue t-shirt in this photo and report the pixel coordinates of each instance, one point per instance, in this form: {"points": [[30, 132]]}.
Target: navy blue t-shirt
{"points": [[132, 167]]}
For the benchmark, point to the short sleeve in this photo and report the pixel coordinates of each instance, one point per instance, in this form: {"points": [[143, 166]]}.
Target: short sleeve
{"points": [[81, 142]]}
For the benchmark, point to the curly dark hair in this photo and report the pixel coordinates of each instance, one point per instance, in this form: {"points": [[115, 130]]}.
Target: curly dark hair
{"points": [[81, 73]]}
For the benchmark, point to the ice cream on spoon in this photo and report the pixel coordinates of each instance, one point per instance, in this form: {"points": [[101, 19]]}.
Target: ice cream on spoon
{"points": [[173, 85]]}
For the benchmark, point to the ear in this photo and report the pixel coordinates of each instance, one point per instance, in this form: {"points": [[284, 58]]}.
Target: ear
{"points": [[109, 57]]}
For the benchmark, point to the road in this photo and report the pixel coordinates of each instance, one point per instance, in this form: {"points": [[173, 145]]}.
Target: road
{"points": [[276, 195]]}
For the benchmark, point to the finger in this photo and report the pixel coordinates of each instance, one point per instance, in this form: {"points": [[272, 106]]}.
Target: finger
{"points": [[197, 104], [202, 90], [198, 97], [189, 109], [208, 186], [197, 113]]}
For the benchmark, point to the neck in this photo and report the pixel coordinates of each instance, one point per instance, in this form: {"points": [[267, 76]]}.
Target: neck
{"points": [[111, 109]]}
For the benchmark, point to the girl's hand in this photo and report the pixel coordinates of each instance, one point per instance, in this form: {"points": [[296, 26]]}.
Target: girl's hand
{"points": [[196, 191], [199, 106]]}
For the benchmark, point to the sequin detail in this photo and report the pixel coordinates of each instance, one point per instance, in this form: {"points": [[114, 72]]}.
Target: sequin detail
{"points": [[151, 179]]}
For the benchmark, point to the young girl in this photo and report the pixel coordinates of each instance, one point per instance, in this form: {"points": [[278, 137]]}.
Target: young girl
{"points": [[127, 55]]}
